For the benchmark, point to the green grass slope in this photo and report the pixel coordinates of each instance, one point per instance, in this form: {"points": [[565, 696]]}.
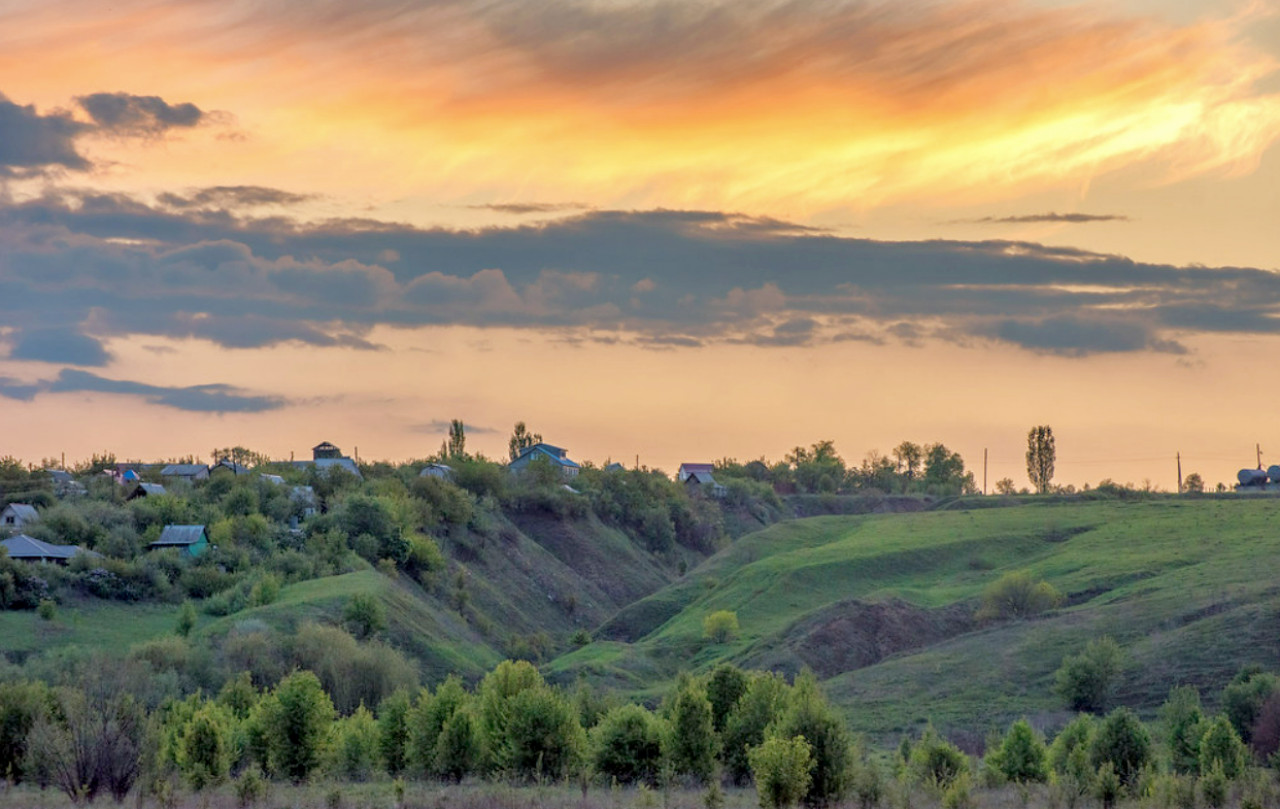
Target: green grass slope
{"points": [[881, 607]]}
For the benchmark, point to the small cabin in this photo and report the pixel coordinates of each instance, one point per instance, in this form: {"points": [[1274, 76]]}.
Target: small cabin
{"points": [[146, 490], [30, 549], [189, 540], [556, 456], [16, 515]]}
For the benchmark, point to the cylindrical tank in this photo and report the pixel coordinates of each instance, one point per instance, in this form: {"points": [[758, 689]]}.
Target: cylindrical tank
{"points": [[1273, 472], [1252, 477]]}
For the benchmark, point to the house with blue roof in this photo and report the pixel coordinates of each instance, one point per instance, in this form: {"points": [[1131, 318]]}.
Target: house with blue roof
{"points": [[556, 456], [326, 456], [16, 515]]}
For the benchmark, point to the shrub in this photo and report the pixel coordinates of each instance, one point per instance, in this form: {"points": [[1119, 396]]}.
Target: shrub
{"points": [[1123, 742], [352, 672], [1017, 595], [1085, 680], [250, 787], [48, 609], [364, 615], [1221, 748], [781, 768], [544, 737], [691, 742], [186, 619], [958, 794], [809, 716], [1107, 785], [1183, 729], [265, 591], [936, 762], [720, 626], [1244, 696], [1022, 756], [495, 693], [204, 747], [20, 705], [627, 745], [1213, 786]]}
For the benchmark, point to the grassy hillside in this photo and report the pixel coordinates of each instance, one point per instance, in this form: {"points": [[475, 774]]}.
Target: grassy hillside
{"points": [[881, 607]]}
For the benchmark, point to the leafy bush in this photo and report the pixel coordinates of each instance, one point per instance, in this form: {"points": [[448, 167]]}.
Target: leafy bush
{"points": [[426, 720], [781, 768], [352, 672], [1244, 696], [364, 615], [1085, 680], [627, 745], [725, 687], [294, 721], [720, 626], [761, 704], [1017, 595], [393, 731], [936, 762], [355, 747], [544, 737], [204, 746], [460, 748]]}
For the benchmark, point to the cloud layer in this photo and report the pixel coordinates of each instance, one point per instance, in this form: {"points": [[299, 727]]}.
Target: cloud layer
{"points": [[93, 267], [214, 398]]}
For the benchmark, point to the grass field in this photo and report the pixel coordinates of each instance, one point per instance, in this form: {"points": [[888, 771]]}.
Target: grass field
{"points": [[1188, 587]]}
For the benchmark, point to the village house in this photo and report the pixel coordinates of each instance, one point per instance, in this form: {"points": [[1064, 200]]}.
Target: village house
{"points": [[227, 465], [189, 540], [190, 472], [437, 470], [146, 490], [556, 456], [326, 456], [30, 549], [16, 515], [688, 469]]}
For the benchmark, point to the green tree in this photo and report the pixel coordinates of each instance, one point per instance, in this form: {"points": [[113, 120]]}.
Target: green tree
{"points": [[460, 748], [205, 745], [1221, 747], [1193, 483], [1041, 454], [720, 626], [782, 770], [1244, 696], [427, 720], [521, 439], [186, 619], [1085, 680], [20, 705], [1069, 756], [296, 719], [1183, 728], [544, 736], [725, 687], [495, 694], [393, 731], [355, 748], [1122, 741], [809, 716], [761, 704], [908, 456], [936, 762], [691, 742], [627, 745], [1022, 756], [456, 446]]}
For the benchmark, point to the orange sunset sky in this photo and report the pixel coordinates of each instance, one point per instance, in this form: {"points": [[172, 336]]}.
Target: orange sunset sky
{"points": [[665, 229]]}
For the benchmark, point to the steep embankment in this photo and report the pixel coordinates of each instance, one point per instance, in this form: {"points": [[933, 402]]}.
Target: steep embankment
{"points": [[881, 607]]}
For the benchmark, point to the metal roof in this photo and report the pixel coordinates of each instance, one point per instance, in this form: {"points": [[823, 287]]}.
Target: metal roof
{"points": [[183, 470], [700, 476], [326, 463], [554, 454], [22, 511], [25, 547], [180, 535], [147, 489]]}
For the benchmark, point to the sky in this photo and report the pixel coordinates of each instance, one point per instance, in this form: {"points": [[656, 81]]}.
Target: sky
{"points": [[654, 230]]}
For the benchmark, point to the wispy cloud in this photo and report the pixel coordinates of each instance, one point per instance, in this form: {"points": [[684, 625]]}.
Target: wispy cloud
{"points": [[213, 398], [1036, 218], [521, 208]]}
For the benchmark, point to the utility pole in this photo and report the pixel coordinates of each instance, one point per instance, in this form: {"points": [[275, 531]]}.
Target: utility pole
{"points": [[1259, 448], [1179, 473], [984, 470]]}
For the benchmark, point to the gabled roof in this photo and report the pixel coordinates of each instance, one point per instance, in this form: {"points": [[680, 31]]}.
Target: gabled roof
{"points": [[180, 535], [325, 464], [276, 479], [60, 475], [235, 468], [25, 547], [700, 476], [324, 446], [22, 511], [437, 470], [146, 490], [697, 467], [183, 470], [552, 453]]}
